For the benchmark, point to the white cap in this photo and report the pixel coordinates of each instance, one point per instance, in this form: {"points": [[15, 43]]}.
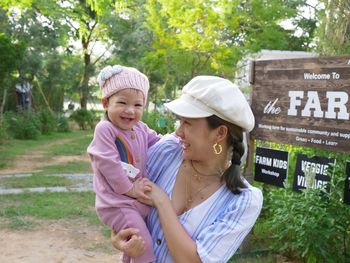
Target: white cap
{"points": [[205, 96]]}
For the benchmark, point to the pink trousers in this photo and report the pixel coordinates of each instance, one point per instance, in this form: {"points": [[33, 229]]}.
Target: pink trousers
{"points": [[126, 217]]}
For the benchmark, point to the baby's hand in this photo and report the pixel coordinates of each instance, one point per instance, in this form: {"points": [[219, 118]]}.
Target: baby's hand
{"points": [[139, 189]]}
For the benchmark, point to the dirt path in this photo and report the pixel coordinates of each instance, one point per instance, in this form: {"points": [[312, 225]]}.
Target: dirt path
{"points": [[59, 241], [36, 159]]}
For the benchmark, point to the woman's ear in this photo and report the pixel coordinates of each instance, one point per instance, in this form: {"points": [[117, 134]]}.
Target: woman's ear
{"points": [[222, 132], [104, 103]]}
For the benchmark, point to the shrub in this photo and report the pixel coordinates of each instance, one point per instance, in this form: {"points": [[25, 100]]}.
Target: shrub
{"points": [[84, 118], [3, 130], [161, 123], [312, 225], [48, 122], [23, 125], [62, 124]]}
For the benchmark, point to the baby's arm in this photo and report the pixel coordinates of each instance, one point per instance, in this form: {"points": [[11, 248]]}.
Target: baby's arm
{"points": [[106, 161]]}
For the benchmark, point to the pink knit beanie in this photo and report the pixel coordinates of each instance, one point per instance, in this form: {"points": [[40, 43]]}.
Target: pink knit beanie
{"points": [[115, 78]]}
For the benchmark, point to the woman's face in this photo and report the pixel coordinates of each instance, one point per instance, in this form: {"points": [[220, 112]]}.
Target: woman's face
{"points": [[197, 138], [125, 108]]}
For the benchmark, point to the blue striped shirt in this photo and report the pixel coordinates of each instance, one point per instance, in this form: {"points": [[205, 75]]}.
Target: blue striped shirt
{"points": [[218, 225]]}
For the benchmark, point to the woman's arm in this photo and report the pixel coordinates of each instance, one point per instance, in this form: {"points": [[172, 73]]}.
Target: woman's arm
{"points": [[181, 246]]}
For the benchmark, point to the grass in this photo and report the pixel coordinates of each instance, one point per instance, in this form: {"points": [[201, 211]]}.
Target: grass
{"points": [[22, 209], [252, 259], [35, 181], [76, 147], [25, 210], [50, 205], [13, 147], [70, 167]]}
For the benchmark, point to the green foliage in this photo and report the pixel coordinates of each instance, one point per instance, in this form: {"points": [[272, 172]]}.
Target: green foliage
{"points": [[333, 35], [312, 225], [10, 3], [23, 125], [161, 123], [170, 41], [29, 125], [254, 257], [309, 225], [84, 118], [63, 124], [215, 35], [48, 121], [3, 130], [10, 55]]}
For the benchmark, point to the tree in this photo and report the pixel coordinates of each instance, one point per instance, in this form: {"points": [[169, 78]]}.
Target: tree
{"points": [[78, 21], [42, 37], [210, 37], [84, 27], [10, 54], [169, 40], [334, 29]]}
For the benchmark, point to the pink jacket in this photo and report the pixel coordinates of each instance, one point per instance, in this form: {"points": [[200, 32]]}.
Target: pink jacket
{"points": [[110, 180]]}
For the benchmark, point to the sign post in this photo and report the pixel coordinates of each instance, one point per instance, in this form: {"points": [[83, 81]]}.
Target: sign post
{"points": [[271, 166], [303, 102], [316, 166], [347, 184]]}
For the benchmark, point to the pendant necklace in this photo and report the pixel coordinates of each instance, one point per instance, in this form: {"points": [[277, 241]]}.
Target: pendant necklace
{"points": [[198, 175], [190, 198]]}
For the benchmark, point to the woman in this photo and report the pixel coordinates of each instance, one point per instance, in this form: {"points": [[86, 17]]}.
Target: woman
{"points": [[203, 208]]}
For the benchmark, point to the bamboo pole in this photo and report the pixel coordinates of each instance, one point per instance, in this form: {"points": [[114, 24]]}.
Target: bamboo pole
{"points": [[44, 97]]}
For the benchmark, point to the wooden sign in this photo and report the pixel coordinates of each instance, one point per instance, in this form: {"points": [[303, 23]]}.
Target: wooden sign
{"points": [[271, 166], [312, 172], [303, 102], [347, 184]]}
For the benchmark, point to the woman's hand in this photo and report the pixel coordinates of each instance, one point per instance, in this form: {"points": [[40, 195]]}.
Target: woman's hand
{"points": [[156, 194], [146, 188], [138, 190], [129, 242]]}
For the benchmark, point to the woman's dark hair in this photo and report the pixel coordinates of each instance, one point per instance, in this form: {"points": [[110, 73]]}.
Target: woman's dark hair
{"points": [[232, 176]]}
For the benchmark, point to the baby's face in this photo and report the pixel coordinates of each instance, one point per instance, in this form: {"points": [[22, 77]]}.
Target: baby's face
{"points": [[125, 108]]}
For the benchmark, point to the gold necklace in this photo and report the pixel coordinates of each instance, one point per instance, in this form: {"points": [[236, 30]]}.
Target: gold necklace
{"points": [[190, 198], [198, 175]]}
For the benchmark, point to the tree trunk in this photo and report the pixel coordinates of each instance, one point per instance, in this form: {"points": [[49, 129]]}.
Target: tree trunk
{"points": [[2, 106], [84, 86]]}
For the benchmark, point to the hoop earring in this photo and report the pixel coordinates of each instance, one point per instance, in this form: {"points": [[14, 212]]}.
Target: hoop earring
{"points": [[217, 151]]}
